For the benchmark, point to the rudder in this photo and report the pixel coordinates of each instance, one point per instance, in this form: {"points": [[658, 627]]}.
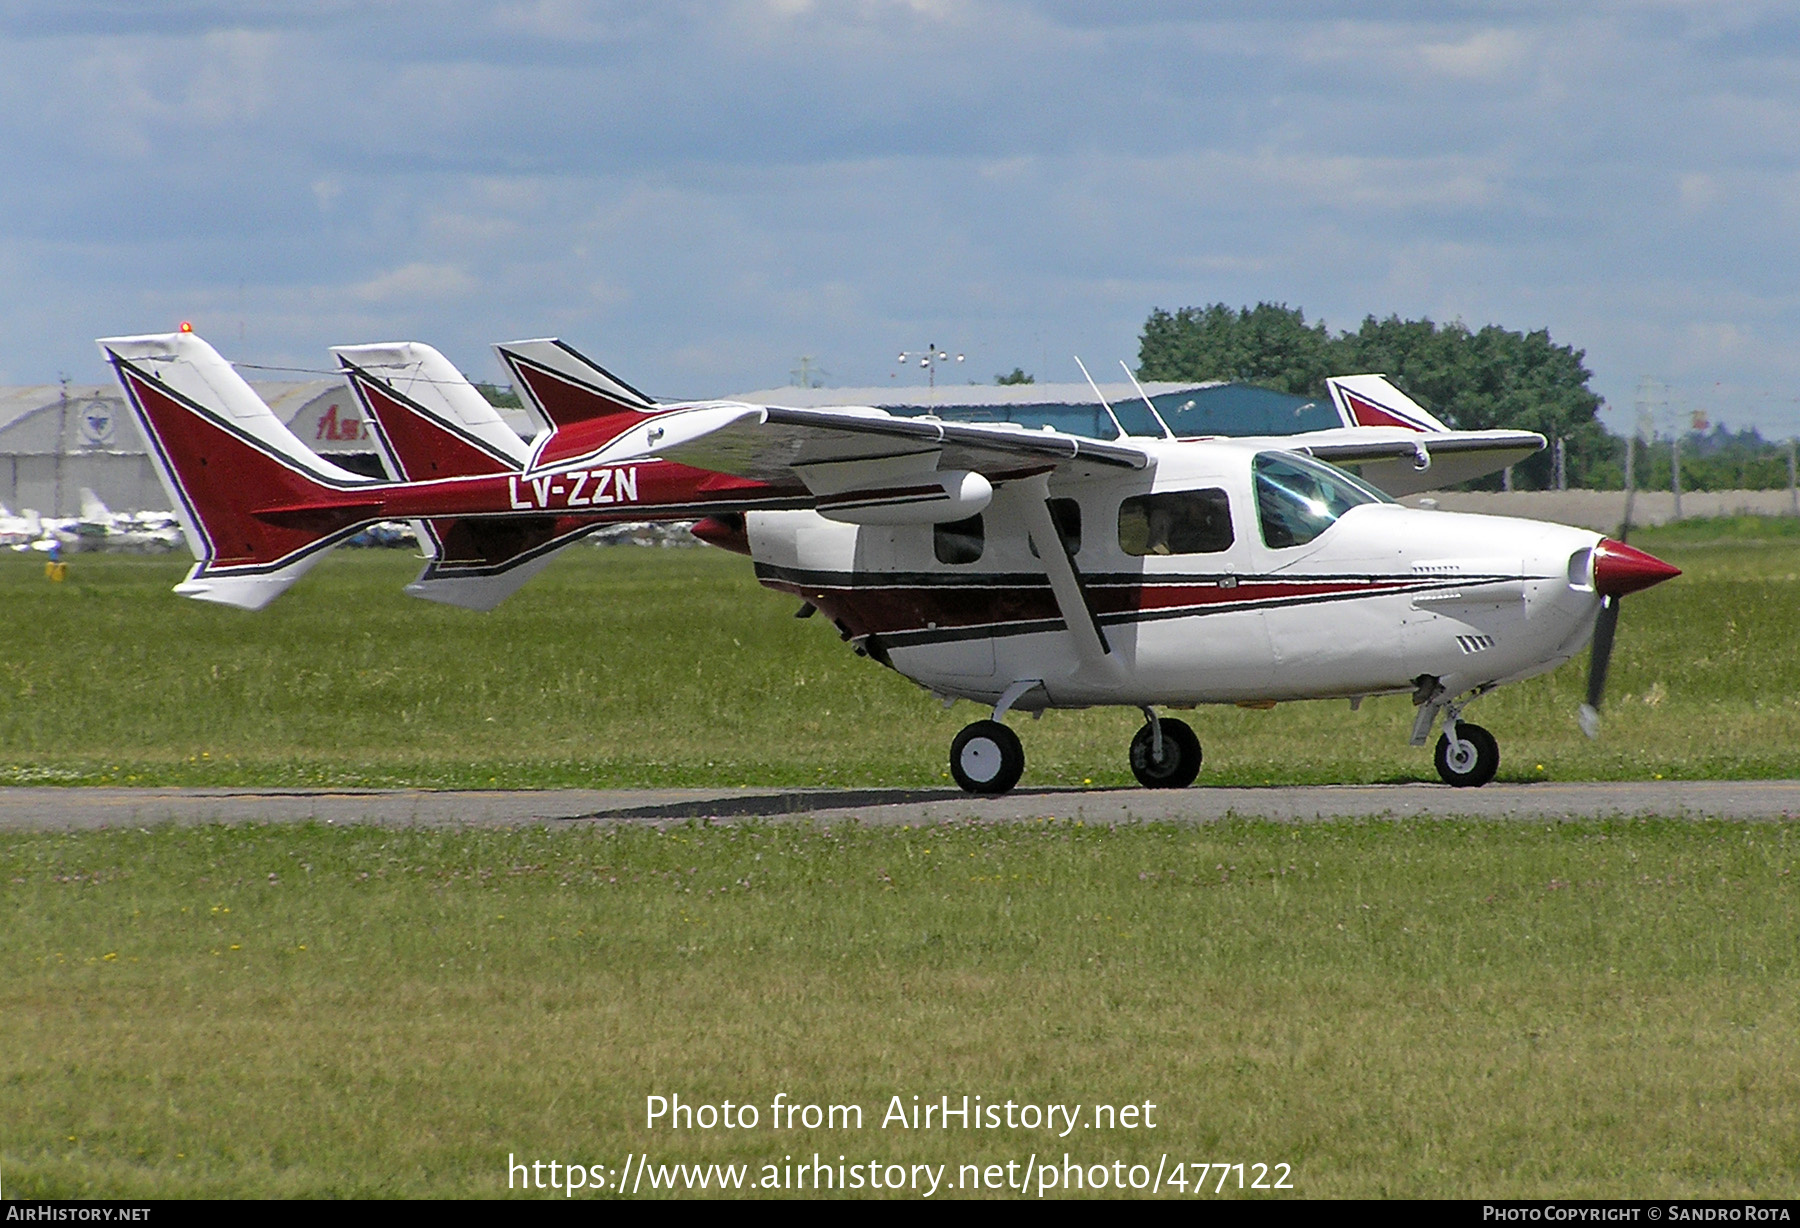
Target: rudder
{"points": [[257, 506], [429, 422]]}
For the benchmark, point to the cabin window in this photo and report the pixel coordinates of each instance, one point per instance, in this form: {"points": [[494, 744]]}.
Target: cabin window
{"points": [[1298, 498], [1175, 522], [1065, 514], [959, 541]]}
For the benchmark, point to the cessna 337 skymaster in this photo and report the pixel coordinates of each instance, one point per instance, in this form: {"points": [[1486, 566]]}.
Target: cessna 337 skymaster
{"points": [[1017, 568]]}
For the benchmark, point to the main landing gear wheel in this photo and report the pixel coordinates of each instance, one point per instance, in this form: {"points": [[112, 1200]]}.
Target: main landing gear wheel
{"points": [[1471, 760], [1180, 761], [986, 758]]}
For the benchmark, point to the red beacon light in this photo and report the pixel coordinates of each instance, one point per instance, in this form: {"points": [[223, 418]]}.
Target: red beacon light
{"points": [[187, 326]]}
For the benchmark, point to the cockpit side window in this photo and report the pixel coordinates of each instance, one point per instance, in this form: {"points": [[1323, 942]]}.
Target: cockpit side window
{"points": [[1298, 498], [1175, 522], [958, 542]]}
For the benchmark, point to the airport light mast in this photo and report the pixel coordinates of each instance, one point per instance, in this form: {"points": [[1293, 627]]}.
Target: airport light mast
{"points": [[929, 358]]}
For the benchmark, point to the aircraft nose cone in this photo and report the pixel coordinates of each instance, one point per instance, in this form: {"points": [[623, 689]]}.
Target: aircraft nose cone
{"points": [[1621, 569]]}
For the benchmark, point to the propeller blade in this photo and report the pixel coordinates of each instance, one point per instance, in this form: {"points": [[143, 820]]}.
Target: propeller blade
{"points": [[1601, 658]]}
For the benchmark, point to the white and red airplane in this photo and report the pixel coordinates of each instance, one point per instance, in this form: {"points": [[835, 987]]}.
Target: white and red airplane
{"points": [[1022, 569]]}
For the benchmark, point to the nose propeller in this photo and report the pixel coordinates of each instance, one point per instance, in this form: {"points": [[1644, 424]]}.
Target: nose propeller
{"points": [[1618, 569]]}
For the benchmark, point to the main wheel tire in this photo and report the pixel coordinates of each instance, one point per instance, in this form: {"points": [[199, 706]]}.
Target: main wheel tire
{"points": [[1470, 762], [1180, 761], [986, 758]]}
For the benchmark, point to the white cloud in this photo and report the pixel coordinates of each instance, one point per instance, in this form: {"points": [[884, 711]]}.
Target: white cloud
{"points": [[418, 280], [583, 20], [1486, 55], [1697, 192], [232, 83]]}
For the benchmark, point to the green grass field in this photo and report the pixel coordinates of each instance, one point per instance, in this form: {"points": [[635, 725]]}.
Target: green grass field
{"points": [[628, 666], [1429, 1008]]}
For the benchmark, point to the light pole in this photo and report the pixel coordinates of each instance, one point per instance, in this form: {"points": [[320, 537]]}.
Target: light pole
{"points": [[929, 358]]}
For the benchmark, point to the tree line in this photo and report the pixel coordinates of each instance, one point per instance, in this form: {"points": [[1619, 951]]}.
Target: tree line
{"points": [[1473, 379], [1719, 459]]}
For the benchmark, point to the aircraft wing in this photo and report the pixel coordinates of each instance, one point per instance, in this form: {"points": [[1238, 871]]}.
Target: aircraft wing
{"points": [[779, 446], [1404, 462]]}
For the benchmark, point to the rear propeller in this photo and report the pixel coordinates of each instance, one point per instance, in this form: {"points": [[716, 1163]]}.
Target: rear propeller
{"points": [[1618, 569]]}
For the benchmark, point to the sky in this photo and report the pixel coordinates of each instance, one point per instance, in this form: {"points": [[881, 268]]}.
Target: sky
{"points": [[699, 194]]}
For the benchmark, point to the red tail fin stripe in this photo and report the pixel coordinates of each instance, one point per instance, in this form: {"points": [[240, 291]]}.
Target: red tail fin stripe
{"points": [[515, 359], [1368, 413], [188, 437], [645, 400], [140, 381], [416, 439], [566, 400]]}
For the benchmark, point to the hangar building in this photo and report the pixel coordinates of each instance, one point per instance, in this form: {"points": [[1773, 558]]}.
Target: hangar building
{"points": [[54, 440]]}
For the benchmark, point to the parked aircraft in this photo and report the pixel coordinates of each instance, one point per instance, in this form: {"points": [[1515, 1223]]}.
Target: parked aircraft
{"points": [[96, 528], [20, 531], [1016, 568], [101, 528]]}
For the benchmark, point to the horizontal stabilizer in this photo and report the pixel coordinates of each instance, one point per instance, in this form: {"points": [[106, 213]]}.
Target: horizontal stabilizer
{"points": [[779, 446]]}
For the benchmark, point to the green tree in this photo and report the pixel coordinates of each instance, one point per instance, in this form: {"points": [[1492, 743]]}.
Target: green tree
{"points": [[1016, 376], [498, 397], [1490, 379], [1478, 380], [1270, 345]]}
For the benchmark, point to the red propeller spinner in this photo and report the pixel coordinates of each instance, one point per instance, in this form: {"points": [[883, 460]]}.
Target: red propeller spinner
{"points": [[1621, 569]]}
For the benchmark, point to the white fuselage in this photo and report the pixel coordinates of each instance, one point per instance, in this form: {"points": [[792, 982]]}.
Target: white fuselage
{"points": [[1384, 597]]}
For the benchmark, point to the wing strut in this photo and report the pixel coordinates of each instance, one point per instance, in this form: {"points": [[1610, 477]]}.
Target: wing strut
{"points": [[1065, 582]]}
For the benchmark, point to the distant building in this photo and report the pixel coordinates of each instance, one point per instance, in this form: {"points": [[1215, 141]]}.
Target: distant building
{"points": [[54, 441]]}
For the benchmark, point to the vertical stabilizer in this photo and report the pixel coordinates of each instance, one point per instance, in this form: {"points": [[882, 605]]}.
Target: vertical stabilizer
{"points": [[257, 506], [436, 423], [564, 386], [1370, 400], [428, 423]]}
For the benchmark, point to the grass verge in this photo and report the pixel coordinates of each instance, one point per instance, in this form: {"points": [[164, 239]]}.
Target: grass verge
{"points": [[1444, 1009]]}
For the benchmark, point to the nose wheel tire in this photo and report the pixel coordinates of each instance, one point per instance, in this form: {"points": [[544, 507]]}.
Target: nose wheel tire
{"points": [[1471, 760], [1180, 761], [986, 758]]}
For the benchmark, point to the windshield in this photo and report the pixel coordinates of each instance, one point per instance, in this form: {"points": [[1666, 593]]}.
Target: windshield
{"points": [[1298, 498]]}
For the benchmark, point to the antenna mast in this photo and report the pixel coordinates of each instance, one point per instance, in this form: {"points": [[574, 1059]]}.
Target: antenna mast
{"points": [[1117, 425], [1148, 404]]}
